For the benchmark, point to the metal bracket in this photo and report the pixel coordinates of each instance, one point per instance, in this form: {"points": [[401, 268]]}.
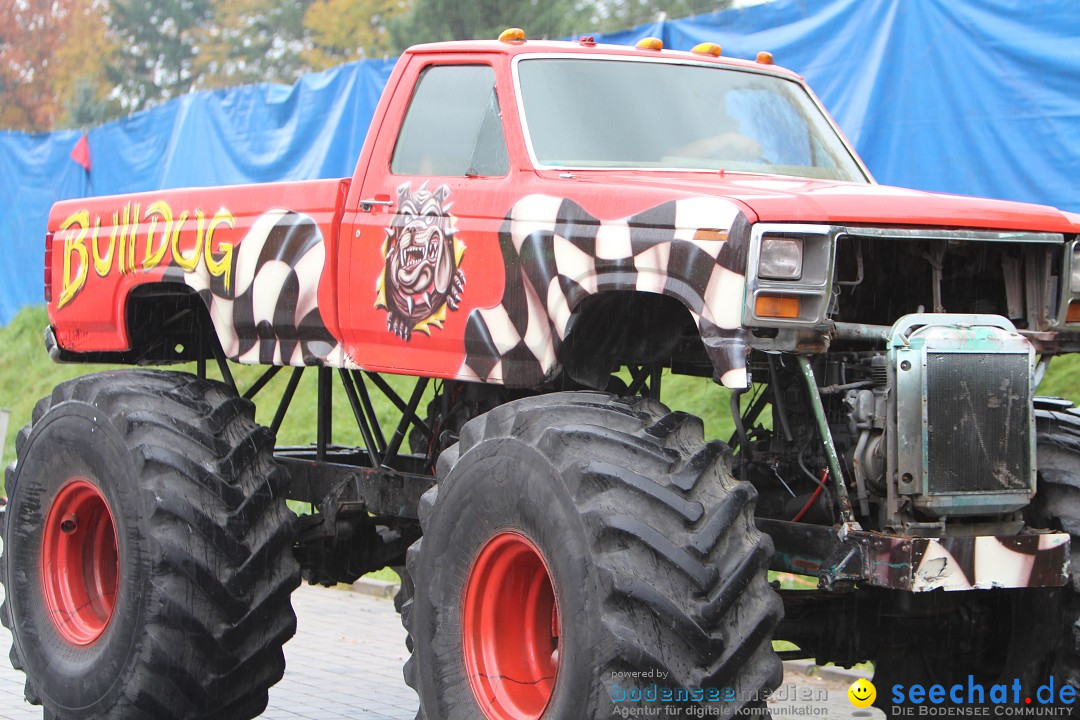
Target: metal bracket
{"points": [[842, 557]]}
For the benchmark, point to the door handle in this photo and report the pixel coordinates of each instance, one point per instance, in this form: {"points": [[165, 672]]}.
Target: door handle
{"points": [[368, 204]]}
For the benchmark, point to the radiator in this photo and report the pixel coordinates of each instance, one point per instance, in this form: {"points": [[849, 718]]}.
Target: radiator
{"points": [[964, 416]]}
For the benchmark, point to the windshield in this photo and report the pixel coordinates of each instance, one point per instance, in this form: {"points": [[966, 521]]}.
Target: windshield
{"points": [[585, 113]]}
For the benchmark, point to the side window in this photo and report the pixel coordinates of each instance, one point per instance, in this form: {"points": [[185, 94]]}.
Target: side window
{"points": [[453, 126]]}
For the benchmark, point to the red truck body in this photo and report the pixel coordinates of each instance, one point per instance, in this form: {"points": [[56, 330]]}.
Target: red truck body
{"points": [[335, 310]]}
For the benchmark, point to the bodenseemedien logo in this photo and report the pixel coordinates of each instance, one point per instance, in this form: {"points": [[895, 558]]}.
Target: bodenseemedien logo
{"points": [[634, 696]]}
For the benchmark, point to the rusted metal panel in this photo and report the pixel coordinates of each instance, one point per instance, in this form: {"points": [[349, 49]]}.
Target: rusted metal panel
{"points": [[964, 563]]}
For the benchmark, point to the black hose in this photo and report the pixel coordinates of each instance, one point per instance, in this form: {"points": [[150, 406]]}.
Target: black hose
{"points": [[740, 428], [777, 394]]}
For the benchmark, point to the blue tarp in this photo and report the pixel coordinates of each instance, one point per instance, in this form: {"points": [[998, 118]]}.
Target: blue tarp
{"points": [[976, 97]]}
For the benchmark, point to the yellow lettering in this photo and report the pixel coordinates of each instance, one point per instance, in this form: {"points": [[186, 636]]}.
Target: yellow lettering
{"points": [[114, 243], [183, 261], [102, 265], [223, 266], [76, 227], [78, 234], [132, 234], [155, 256], [187, 262], [121, 262]]}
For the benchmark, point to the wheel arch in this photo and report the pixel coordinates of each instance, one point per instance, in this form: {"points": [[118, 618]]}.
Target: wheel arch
{"points": [[154, 323], [617, 327]]}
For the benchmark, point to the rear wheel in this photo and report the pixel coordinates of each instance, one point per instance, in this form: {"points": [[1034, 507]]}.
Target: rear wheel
{"points": [[996, 637], [1057, 506], [147, 561], [582, 554]]}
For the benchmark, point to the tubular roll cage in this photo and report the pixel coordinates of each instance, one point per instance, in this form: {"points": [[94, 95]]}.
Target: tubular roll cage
{"points": [[379, 480], [376, 476]]}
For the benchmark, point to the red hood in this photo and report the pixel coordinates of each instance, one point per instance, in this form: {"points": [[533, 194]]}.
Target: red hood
{"points": [[777, 199]]}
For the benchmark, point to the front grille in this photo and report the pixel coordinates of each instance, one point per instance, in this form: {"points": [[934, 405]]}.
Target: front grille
{"points": [[978, 422]]}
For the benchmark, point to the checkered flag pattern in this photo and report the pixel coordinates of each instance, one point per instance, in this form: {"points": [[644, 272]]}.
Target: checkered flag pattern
{"points": [[556, 254], [270, 315]]}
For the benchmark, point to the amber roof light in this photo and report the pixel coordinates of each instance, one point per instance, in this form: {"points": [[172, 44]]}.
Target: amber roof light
{"points": [[649, 43], [707, 48], [512, 35]]}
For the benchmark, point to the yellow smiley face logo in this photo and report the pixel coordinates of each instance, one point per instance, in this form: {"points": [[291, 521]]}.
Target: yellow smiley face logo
{"points": [[862, 693]]}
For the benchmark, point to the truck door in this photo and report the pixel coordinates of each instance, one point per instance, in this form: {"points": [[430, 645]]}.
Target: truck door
{"points": [[421, 247]]}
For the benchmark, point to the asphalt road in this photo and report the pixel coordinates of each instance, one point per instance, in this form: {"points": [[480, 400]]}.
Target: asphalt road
{"points": [[346, 658]]}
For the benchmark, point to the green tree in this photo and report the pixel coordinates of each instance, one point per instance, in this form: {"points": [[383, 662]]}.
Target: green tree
{"points": [[612, 15], [157, 43], [87, 107], [28, 38], [248, 41], [344, 30], [48, 49], [436, 20], [82, 84]]}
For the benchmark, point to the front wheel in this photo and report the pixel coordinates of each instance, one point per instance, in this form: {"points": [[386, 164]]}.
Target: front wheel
{"points": [[582, 554], [147, 557]]}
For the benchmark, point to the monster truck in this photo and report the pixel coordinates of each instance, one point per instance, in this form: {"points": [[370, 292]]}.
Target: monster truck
{"points": [[537, 233]]}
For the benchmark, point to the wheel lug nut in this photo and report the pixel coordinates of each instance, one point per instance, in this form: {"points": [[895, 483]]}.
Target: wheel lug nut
{"points": [[69, 524]]}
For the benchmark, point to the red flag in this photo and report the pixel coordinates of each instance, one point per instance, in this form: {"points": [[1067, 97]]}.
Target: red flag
{"points": [[81, 152]]}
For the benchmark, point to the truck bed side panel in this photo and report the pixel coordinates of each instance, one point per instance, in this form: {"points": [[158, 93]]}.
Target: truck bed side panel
{"points": [[260, 257]]}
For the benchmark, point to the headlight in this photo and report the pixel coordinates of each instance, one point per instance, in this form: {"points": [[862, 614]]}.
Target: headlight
{"points": [[1074, 283], [782, 259], [789, 274]]}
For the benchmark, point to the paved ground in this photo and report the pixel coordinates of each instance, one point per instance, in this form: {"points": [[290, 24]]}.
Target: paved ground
{"points": [[345, 662]]}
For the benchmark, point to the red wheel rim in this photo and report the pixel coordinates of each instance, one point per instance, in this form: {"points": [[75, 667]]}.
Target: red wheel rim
{"points": [[511, 629], [79, 563]]}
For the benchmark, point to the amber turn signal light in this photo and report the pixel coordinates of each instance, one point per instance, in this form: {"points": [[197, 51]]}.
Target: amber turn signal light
{"points": [[710, 235], [777, 306], [1072, 316]]}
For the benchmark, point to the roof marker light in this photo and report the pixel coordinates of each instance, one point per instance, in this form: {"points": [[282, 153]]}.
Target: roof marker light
{"points": [[587, 40], [512, 35], [764, 57], [707, 48], [649, 43]]}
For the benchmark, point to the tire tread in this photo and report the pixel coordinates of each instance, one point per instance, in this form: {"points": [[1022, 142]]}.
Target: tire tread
{"points": [[221, 537]]}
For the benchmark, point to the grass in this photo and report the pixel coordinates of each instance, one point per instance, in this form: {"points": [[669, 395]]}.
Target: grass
{"points": [[385, 574], [27, 374]]}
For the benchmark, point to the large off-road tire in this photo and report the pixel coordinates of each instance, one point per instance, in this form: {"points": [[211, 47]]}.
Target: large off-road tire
{"points": [[1057, 506], [996, 637], [1026, 635], [580, 550], [147, 559]]}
